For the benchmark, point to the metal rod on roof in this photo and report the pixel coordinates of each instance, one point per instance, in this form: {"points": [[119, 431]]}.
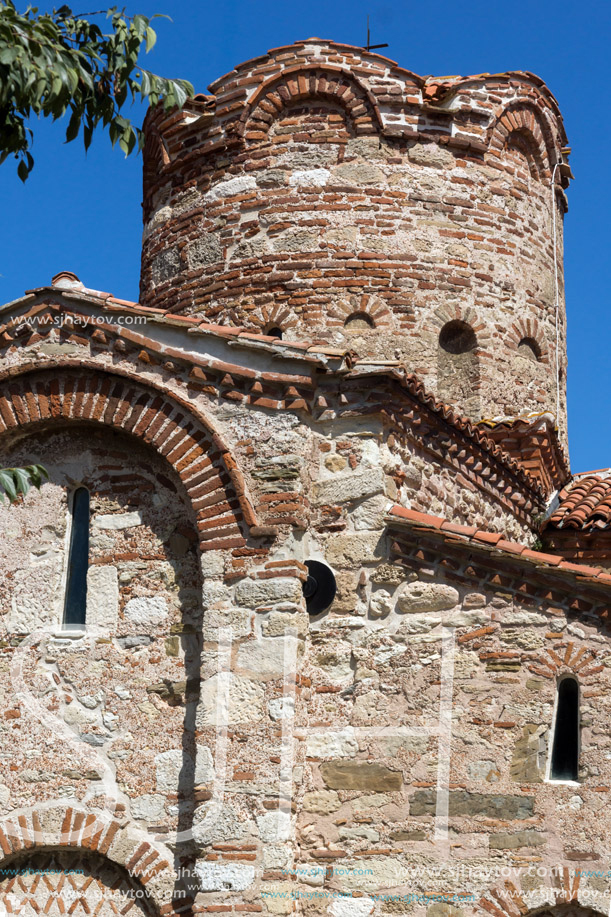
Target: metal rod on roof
{"points": [[369, 46]]}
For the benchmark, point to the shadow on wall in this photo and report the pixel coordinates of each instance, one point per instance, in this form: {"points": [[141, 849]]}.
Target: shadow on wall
{"points": [[458, 371], [85, 881]]}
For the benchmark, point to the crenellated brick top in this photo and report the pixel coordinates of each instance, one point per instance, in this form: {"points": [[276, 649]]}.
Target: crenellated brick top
{"points": [[471, 113]]}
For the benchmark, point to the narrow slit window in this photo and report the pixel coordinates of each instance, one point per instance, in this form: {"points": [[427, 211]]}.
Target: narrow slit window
{"points": [[565, 748], [78, 561]]}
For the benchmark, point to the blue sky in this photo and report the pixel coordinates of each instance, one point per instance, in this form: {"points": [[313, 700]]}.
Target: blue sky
{"points": [[82, 212]]}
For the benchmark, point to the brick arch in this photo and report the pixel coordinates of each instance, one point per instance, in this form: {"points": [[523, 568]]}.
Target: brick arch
{"points": [[169, 424], [266, 316], [507, 900], [525, 121], [446, 314], [565, 659], [376, 309], [297, 84], [66, 828], [529, 328]]}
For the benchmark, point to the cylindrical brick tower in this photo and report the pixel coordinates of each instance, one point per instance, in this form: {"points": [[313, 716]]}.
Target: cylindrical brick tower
{"points": [[322, 193]]}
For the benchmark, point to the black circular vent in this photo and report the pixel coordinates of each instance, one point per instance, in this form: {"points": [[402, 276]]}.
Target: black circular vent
{"points": [[320, 587]]}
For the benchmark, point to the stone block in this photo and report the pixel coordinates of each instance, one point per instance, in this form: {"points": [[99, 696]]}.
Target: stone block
{"points": [[240, 620], [34, 601], [361, 775], [369, 514], [229, 700], [175, 766], [342, 488], [218, 877], [212, 563], [332, 744], [231, 187], [116, 522], [359, 173], [165, 265], [204, 251], [280, 623], [309, 178], [516, 840], [424, 597], [146, 610], [351, 907], [254, 593], [364, 804], [102, 596], [391, 574], [353, 550], [368, 874], [380, 604], [462, 803], [335, 462], [265, 657], [322, 802], [150, 807], [346, 597], [430, 154]]}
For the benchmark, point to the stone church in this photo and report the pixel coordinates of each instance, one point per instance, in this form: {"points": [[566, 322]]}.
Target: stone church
{"points": [[311, 615]]}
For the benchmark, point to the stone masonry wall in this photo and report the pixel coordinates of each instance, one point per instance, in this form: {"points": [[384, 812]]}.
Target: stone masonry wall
{"points": [[320, 185], [297, 761]]}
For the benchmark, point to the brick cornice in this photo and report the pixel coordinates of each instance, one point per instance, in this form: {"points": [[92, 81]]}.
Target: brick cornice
{"points": [[312, 379], [487, 558]]}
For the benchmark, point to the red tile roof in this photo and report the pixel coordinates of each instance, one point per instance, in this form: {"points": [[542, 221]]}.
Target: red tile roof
{"points": [[585, 504], [491, 541], [533, 441]]}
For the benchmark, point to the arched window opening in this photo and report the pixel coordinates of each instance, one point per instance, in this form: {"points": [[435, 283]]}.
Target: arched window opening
{"points": [[458, 378], [358, 321], [78, 561], [565, 746], [529, 348], [274, 332]]}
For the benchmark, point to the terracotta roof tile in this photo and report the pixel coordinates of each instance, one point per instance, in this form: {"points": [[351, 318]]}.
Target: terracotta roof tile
{"points": [[585, 504], [399, 515]]}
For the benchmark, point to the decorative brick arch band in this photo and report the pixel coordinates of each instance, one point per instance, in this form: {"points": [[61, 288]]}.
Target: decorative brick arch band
{"points": [[529, 329], [296, 84], [567, 660], [565, 888], [167, 423], [524, 120], [58, 826], [374, 308]]}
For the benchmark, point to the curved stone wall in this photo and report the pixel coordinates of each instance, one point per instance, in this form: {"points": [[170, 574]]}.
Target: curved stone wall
{"points": [[324, 193]]}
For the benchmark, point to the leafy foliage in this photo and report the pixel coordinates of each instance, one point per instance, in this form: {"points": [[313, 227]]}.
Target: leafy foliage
{"points": [[59, 63], [15, 482]]}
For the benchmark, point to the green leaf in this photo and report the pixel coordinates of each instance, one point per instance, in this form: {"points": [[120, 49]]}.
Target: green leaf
{"points": [[73, 127], [17, 481], [8, 484], [22, 480], [151, 38], [57, 63]]}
